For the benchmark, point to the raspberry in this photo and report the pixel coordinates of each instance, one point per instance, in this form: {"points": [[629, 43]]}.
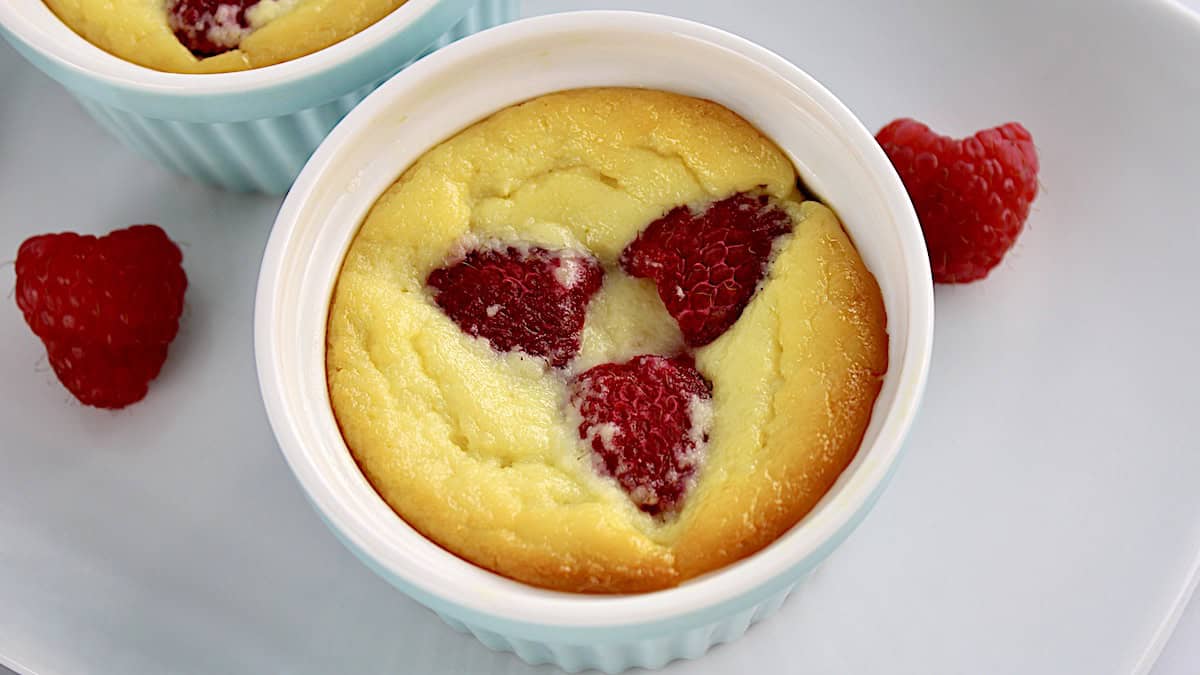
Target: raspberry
{"points": [[520, 298], [105, 377], [972, 195], [647, 421], [707, 265], [106, 308], [209, 27]]}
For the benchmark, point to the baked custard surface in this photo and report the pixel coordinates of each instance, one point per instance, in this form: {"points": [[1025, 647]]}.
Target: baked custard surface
{"points": [[480, 451], [139, 31]]}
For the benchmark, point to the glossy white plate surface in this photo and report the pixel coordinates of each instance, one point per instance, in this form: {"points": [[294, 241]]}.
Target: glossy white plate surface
{"points": [[1046, 518]]}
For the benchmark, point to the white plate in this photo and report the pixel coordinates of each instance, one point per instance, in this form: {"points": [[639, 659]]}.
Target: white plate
{"points": [[1045, 519]]}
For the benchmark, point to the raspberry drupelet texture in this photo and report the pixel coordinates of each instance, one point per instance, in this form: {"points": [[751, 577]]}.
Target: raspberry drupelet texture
{"points": [[646, 421], [972, 195], [105, 307], [527, 299], [707, 265], [209, 27]]}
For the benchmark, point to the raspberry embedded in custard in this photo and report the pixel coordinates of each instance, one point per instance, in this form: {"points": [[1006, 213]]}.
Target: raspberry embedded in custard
{"points": [[520, 298], [210, 27], [707, 265], [647, 422]]}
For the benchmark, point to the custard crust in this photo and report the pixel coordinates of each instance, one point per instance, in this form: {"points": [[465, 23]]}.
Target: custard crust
{"points": [[137, 31]]}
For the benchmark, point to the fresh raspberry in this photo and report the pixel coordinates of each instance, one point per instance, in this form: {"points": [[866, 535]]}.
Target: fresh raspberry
{"points": [[520, 298], [707, 265], [106, 308], [972, 195], [647, 421], [209, 27], [105, 377]]}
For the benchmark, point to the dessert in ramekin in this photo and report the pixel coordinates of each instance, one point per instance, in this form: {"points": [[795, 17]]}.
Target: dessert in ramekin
{"points": [[250, 130], [836, 159]]}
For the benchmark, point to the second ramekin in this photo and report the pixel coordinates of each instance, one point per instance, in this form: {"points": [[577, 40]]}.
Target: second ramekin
{"points": [[445, 92], [246, 131]]}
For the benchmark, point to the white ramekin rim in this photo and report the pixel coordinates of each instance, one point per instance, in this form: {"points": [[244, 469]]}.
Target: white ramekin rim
{"points": [[514, 603], [33, 23]]}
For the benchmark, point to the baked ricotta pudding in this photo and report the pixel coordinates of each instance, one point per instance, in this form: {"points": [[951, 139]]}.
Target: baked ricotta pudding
{"points": [[217, 36], [601, 342]]}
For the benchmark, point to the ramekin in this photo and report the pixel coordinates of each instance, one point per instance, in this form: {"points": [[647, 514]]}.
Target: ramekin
{"points": [[436, 97], [244, 131]]}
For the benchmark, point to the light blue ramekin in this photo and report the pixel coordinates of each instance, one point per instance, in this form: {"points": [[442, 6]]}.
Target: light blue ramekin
{"points": [[244, 131], [449, 90]]}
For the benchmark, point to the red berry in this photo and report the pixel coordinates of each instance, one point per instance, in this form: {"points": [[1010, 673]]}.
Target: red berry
{"points": [[106, 308], [972, 195], [520, 298], [209, 27], [647, 421], [707, 265], [102, 376]]}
